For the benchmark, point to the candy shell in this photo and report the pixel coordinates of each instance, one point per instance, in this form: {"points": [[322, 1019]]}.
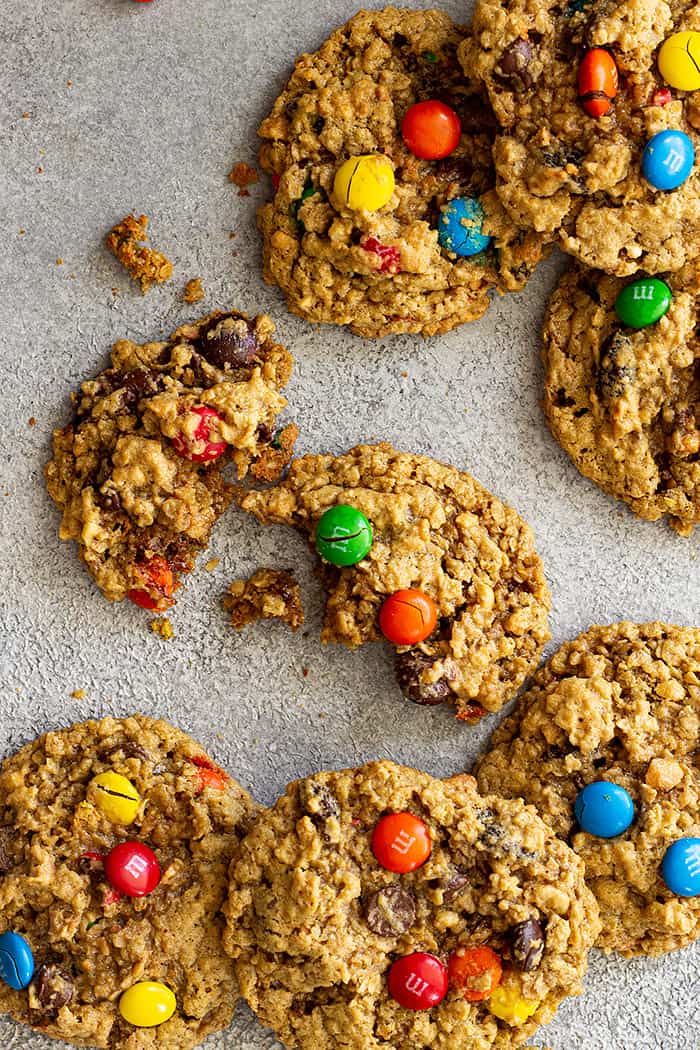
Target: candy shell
{"points": [[668, 159], [16, 961], [597, 82], [147, 1004], [604, 809], [343, 535], [401, 842], [365, 183], [132, 868], [643, 302], [679, 61], [116, 797], [459, 227], [418, 981], [508, 1004], [408, 617], [680, 867], [431, 129]]}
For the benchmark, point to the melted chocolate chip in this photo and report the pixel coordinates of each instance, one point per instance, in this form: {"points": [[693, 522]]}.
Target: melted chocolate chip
{"points": [[390, 911], [318, 801], [54, 988], [140, 383], [409, 667], [514, 65], [528, 944], [453, 885], [229, 342], [613, 378]]}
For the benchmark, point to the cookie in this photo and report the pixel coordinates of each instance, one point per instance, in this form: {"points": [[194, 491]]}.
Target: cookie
{"points": [[269, 594], [137, 473], [379, 907], [577, 176], [622, 400], [621, 705], [418, 525], [127, 241], [384, 270], [66, 879]]}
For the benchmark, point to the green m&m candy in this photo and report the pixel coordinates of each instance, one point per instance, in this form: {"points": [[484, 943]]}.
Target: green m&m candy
{"points": [[343, 535], [643, 302]]}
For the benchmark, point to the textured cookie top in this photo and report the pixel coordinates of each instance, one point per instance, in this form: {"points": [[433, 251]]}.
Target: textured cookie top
{"points": [[623, 402], [314, 922], [127, 494], [561, 170], [88, 946], [622, 704], [383, 271], [435, 529]]}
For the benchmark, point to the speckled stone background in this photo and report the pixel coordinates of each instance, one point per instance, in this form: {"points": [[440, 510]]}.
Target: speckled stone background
{"points": [[111, 105]]}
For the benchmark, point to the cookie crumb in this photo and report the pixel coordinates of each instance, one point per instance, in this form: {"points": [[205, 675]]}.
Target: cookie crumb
{"points": [[212, 564], [269, 594], [305, 672], [40, 170], [162, 626], [243, 176], [78, 694], [194, 292], [144, 264], [22, 232], [272, 461], [26, 116], [59, 261], [32, 421]]}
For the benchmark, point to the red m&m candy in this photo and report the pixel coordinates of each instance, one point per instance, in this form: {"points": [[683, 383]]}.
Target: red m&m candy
{"points": [[431, 130], [418, 981], [159, 584], [132, 869], [597, 82], [401, 842], [408, 617], [198, 447]]}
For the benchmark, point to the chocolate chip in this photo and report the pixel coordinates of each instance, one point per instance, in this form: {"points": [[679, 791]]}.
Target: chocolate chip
{"points": [[613, 378], [53, 988], [562, 157], [409, 667], [132, 750], [514, 64], [229, 342], [140, 383], [528, 943], [453, 885], [318, 800], [390, 911]]}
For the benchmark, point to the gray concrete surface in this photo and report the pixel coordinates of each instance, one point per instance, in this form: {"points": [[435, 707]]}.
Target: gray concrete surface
{"points": [[146, 107]]}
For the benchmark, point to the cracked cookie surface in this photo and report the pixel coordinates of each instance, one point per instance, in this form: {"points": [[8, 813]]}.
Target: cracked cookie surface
{"points": [[138, 506], [89, 947], [314, 922], [624, 403], [619, 703], [565, 173], [436, 529], [382, 272]]}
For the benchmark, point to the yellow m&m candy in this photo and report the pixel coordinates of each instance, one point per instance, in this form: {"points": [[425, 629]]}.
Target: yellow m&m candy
{"points": [[147, 1004], [115, 796], [365, 183], [508, 1004], [679, 61]]}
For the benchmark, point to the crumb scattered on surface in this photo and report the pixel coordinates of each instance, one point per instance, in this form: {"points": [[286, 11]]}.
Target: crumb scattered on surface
{"points": [[40, 170], [162, 626], [32, 421], [26, 116], [59, 261], [243, 176], [194, 292], [269, 594], [78, 694], [212, 564], [22, 232], [145, 265], [305, 672]]}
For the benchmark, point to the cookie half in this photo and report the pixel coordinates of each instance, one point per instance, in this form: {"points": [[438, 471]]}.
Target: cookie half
{"points": [[436, 530], [618, 704], [320, 928], [137, 473], [579, 177], [90, 944], [383, 271], [623, 401]]}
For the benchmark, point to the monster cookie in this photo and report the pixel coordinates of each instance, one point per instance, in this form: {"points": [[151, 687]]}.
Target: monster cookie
{"points": [[621, 387], [384, 216], [115, 838], [418, 552], [378, 907], [600, 114], [605, 744], [137, 473]]}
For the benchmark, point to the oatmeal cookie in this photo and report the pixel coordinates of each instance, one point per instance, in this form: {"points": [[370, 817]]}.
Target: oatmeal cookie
{"points": [[91, 944], [579, 177], [137, 473], [435, 529], [619, 704], [624, 401], [269, 594], [126, 241], [329, 896], [383, 271]]}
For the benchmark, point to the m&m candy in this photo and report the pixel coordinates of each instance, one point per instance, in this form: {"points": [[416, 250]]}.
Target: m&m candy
{"points": [[147, 1004], [116, 797], [680, 867], [365, 183], [401, 842], [133, 869], [343, 535], [679, 61], [597, 82], [476, 971], [643, 302], [431, 130], [604, 809], [408, 617], [159, 584], [16, 960], [418, 981], [509, 1005], [668, 159], [198, 445], [460, 227]]}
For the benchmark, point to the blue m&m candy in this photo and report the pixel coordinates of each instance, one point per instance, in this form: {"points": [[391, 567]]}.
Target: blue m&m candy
{"points": [[604, 809], [668, 159], [681, 867], [460, 225], [16, 961]]}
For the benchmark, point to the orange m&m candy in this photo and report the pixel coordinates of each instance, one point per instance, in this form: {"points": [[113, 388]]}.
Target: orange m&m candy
{"points": [[408, 617], [597, 82], [476, 972], [401, 842]]}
